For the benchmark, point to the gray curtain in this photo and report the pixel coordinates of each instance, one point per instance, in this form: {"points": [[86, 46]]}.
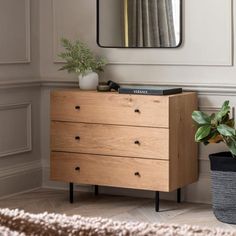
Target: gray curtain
{"points": [[150, 23]]}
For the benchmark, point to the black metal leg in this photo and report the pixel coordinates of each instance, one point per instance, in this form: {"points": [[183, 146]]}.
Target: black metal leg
{"points": [[71, 192], [179, 195], [96, 190], [157, 201]]}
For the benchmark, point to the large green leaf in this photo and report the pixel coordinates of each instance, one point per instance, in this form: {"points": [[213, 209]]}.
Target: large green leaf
{"points": [[225, 109], [212, 133], [201, 118], [202, 132], [231, 143], [226, 130]]}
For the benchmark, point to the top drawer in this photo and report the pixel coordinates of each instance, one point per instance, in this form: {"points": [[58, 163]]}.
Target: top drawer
{"points": [[110, 108]]}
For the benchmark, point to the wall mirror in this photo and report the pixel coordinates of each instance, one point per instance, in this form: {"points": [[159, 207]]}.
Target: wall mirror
{"points": [[139, 23]]}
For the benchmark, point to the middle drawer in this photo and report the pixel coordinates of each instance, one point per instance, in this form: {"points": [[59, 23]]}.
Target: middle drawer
{"points": [[110, 140]]}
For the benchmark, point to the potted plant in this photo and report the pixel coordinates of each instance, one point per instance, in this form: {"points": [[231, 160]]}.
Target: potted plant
{"points": [[215, 128], [80, 60]]}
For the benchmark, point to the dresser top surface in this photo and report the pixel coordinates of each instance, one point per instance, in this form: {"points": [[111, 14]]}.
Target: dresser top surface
{"points": [[76, 90]]}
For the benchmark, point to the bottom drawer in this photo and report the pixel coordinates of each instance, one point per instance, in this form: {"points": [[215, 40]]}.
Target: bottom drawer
{"points": [[110, 171]]}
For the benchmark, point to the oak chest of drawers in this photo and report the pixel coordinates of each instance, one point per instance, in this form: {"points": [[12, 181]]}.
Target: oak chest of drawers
{"points": [[130, 141]]}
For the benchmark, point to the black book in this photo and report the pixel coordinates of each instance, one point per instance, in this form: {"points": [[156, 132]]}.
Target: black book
{"points": [[149, 90]]}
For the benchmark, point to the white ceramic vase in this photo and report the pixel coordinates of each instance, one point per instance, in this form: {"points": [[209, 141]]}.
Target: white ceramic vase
{"points": [[89, 81]]}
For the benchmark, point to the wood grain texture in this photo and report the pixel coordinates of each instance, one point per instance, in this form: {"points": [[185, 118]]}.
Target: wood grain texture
{"points": [[183, 149], [110, 171], [110, 140], [110, 108], [108, 126]]}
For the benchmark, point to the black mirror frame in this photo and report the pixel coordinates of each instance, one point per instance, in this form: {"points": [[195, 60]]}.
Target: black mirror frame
{"points": [[177, 46]]}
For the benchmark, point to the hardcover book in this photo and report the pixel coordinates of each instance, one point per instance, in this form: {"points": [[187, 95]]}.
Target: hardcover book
{"points": [[149, 90]]}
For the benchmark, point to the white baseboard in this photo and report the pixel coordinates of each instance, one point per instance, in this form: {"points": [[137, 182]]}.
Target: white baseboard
{"points": [[19, 193], [20, 178], [13, 170]]}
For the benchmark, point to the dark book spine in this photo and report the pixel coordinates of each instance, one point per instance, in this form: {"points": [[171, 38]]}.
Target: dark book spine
{"points": [[149, 91], [140, 91]]}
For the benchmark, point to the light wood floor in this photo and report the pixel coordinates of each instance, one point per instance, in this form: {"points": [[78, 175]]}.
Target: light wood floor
{"points": [[115, 207]]}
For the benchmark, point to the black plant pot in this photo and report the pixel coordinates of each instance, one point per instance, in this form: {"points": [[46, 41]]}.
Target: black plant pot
{"points": [[223, 177]]}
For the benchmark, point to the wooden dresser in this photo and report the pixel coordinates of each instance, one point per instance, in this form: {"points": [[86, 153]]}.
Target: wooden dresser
{"points": [[130, 141]]}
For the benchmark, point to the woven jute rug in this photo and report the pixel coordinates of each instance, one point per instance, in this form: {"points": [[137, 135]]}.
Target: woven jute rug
{"points": [[17, 222]]}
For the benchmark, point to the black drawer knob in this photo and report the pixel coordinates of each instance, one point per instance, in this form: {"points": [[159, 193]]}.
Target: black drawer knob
{"points": [[77, 168], [77, 107], [137, 111], [137, 142], [77, 138], [137, 174]]}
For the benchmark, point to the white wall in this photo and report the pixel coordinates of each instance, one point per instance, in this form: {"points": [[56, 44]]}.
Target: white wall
{"points": [[20, 157], [204, 63], [19, 40]]}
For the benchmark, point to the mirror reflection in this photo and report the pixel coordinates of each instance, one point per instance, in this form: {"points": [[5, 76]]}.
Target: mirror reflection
{"points": [[139, 23]]}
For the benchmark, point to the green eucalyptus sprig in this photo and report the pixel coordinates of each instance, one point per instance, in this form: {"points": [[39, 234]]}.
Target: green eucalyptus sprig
{"points": [[79, 58], [217, 127]]}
